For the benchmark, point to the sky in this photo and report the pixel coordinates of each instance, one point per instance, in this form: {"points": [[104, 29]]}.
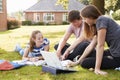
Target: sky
{"points": [[18, 5]]}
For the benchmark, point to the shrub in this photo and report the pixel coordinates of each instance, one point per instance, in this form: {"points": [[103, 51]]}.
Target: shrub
{"points": [[116, 15], [13, 23], [65, 23], [39, 23], [26, 23]]}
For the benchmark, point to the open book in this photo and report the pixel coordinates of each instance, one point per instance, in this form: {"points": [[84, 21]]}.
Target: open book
{"points": [[25, 62], [38, 63]]}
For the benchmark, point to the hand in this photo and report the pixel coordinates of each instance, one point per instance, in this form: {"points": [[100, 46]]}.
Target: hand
{"points": [[97, 71], [65, 55], [58, 54], [71, 64]]}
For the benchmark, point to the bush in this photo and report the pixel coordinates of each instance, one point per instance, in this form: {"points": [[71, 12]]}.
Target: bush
{"points": [[13, 23], [65, 23], [116, 15], [26, 23], [39, 23]]}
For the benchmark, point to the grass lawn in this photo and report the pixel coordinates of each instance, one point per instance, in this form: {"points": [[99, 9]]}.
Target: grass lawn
{"points": [[10, 38]]}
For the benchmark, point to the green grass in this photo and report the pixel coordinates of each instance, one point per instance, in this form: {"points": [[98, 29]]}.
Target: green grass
{"points": [[9, 39]]}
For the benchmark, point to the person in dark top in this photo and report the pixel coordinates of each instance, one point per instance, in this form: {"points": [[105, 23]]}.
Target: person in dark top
{"points": [[101, 29]]}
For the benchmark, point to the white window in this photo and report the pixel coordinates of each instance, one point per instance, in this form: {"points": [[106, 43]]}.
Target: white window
{"points": [[48, 17], [36, 17], [65, 17], [0, 5]]}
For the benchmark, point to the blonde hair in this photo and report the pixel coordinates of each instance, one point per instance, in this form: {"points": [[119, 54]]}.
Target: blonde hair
{"points": [[33, 36]]}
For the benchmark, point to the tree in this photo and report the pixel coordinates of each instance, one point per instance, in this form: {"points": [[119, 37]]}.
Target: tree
{"points": [[117, 6], [64, 3], [97, 3], [86, 2], [112, 5], [100, 5]]}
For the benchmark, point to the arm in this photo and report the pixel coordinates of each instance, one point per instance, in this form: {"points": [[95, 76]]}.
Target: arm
{"points": [[25, 55], [90, 47], [76, 42], [100, 50], [47, 47], [87, 51], [63, 42]]}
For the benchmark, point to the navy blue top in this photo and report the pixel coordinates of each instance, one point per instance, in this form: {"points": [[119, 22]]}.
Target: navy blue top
{"points": [[36, 50]]}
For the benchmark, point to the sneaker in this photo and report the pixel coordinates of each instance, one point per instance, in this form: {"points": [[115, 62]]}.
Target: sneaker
{"points": [[17, 48], [118, 69], [21, 52], [76, 58]]}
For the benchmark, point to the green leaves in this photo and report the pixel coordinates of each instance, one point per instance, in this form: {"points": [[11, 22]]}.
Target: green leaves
{"points": [[112, 5], [64, 3]]}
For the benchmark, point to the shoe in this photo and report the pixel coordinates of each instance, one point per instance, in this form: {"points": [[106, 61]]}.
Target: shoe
{"points": [[118, 69], [76, 58], [17, 48]]}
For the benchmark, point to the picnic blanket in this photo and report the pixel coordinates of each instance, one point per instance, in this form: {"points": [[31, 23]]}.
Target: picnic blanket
{"points": [[7, 65]]}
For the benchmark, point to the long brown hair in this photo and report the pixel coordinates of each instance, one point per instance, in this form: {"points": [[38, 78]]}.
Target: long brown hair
{"points": [[33, 36], [89, 31], [92, 12]]}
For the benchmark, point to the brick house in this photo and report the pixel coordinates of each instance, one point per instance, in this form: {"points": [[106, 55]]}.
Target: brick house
{"points": [[48, 12], [3, 15]]}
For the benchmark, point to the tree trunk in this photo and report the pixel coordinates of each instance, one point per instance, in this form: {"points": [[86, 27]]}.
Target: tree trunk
{"points": [[100, 5]]}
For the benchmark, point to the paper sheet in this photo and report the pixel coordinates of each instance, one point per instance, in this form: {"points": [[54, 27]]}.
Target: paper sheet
{"points": [[37, 63]]}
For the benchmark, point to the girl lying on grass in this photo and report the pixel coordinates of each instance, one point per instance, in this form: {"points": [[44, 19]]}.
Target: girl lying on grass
{"points": [[37, 44]]}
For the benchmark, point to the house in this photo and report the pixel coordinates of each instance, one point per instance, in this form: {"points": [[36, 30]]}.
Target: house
{"points": [[48, 12], [3, 15]]}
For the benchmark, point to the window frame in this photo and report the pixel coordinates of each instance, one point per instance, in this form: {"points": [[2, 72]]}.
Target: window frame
{"points": [[1, 6], [65, 17], [46, 15], [36, 17]]}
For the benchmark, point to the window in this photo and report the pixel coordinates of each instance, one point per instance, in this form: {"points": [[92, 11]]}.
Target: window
{"points": [[48, 17], [65, 17], [36, 17], [0, 5]]}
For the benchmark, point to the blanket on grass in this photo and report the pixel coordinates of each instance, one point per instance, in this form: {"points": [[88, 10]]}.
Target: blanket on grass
{"points": [[10, 65], [7, 65]]}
